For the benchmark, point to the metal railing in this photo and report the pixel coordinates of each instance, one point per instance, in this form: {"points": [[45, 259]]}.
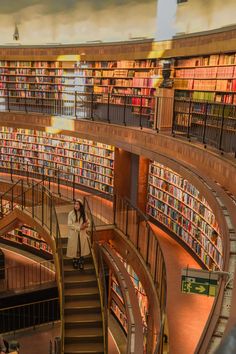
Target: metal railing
{"points": [[210, 122], [27, 276], [134, 225], [38, 202], [100, 272], [125, 109], [29, 315]]}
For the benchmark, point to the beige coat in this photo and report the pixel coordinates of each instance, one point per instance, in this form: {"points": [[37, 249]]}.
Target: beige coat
{"points": [[73, 237]]}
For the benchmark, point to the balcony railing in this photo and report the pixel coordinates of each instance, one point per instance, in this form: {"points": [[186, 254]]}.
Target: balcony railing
{"points": [[130, 110], [210, 122]]}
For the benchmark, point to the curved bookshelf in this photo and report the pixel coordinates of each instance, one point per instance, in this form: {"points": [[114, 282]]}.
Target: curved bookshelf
{"points": [[29, 240], [179, 206], [84, 162]]}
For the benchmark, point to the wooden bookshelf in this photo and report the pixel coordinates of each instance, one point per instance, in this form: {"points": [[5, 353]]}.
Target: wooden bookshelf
{"points": [[28, 239], [52, 83], [84, 162], [211, 78], [178, 205], [117, 304]]}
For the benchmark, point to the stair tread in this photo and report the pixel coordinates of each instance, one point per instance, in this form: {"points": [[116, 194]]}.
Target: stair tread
{"points": [[85, 332], [84, 347], [83, 317], [70, 266], [79, 276], [82, 303], [81, 291]]}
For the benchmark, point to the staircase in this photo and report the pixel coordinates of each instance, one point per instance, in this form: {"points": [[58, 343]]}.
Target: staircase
{"points": [[82, 309]]}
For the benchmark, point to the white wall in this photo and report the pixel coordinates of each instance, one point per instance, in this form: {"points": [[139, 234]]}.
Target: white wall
{"points": [[202, 15], [76, 21], [166, 12]]}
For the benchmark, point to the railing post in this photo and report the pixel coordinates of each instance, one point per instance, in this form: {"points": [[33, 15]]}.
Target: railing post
{"points": [[73, 187], [114, 208], [173, 119], [42, 205], [33, 199], [58, 182], [22, 194], [138, 226], [140, 112], [50, 216], [127, 220], [12, 198], [108, 108], [27, 172], [155, 269], [92, 99], [8, 100], [148, 244], [43, 175], [25, 102], [75, 104], [222, 128], [124, 120], [11, 170], [205, 124], [189, 119]]}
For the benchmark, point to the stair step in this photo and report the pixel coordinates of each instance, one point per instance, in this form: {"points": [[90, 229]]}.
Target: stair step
{"points": [[81, 291], [79, 275], [88, 269], [83, 348], [87, 260], [83, 319], [75, 304], [82, 283], [81, 297], [89, 334]]}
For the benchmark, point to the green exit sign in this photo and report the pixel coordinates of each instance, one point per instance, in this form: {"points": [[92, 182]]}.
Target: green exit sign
{"points": [[197, 281]]}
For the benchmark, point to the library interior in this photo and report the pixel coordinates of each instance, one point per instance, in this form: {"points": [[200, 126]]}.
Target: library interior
{"points": [[118, 177]]}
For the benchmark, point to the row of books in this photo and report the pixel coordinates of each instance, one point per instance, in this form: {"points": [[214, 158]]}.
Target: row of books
{"points": [[176, 203], [211, 60], [206, 85], [43, 153], [229, 98], [179, 230], [28, 236], [183, 202], [189, 225], [207, 73], [175, 179]]}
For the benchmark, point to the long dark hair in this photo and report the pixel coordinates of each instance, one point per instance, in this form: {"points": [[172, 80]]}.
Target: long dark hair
{"points": [[82, 212]]}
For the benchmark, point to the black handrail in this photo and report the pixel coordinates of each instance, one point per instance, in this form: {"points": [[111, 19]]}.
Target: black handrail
{"points": [[26, 276], [38, 201], [155, 264], [29, 315], [211, 123], [100, 273], [101, 106]]}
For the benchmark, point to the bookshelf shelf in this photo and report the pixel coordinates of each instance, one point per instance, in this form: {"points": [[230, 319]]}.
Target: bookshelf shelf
{"points": [[211, 78], [43, 153], [186, 214], [28, 239], [59, 81]]}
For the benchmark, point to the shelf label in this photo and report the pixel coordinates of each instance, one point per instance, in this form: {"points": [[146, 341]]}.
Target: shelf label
{"points": [[198, 281]]}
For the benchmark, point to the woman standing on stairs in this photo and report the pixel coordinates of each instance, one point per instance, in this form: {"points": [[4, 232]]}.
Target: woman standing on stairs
{"points": [[78, 245]]}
